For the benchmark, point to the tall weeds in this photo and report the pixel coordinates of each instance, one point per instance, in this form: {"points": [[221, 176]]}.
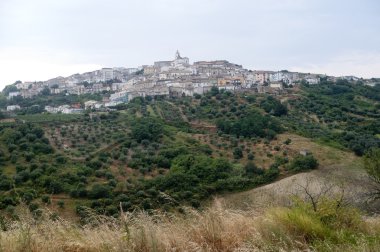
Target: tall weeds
{"points": [[297, 228]]}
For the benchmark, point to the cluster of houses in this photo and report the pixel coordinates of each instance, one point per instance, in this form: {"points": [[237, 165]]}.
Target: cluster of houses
{"points": [[175, 78], [180, 78]]}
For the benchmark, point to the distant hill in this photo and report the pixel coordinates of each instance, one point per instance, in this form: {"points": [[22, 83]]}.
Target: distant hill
{"points": [[165, 152]]}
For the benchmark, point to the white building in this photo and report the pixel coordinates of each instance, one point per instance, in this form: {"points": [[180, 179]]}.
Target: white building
{"points": [[262, 76], [312, 79], [180, 62], [350, 78], [276, 85], [13, 94], [149, 70], [92, 105], [160, 65], [112, 103], [132, 70], [107, 74], [174, 69], [24, 85], [175, 73], [13, 107], [250, 77], [119, 97], [51, 109], [72, 111], [284, 76], [64, 109]]}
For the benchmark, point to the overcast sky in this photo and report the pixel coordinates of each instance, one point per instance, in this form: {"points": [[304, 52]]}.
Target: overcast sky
{"points": [[42, 39]]}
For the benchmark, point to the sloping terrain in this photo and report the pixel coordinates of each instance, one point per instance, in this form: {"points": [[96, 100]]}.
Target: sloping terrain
{"points": [[339, 172], [170, 152]]}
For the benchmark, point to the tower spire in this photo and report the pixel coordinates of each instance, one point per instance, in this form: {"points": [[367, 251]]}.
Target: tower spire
{"points": [[177, 55]]}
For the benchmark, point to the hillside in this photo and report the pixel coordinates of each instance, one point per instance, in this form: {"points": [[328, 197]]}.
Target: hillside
{"points": [[340, 172], [166, 153]]}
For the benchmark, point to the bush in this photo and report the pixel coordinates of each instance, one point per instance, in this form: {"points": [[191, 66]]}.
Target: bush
{"points": [[46, 199], [273, 106], [146, 129], [61, 204], [251, 170], [96, 164], [331, 224], [60, 159], [5, 183], [288, 141], [303, 163], [55, 187], [33, 207], [99, 191], [238, 153], [29, 156]]}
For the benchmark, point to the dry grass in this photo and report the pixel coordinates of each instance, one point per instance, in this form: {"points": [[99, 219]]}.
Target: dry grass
{"points": [[215, 229]]}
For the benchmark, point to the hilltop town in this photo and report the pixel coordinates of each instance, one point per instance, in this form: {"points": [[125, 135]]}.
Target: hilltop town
{"points": [[175, 78]]}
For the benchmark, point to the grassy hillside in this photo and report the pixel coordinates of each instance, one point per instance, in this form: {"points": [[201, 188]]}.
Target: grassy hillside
{"points": [[166, 153]]}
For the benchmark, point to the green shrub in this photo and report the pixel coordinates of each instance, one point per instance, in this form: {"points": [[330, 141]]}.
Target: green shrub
{"points": [[238, 153], [46, 199], [273, 106], [331, 225], [251, 170], [33, 207], [146, 129], [99, 191], [303, 163], [250, 156], [61, 204], [288, 141]]}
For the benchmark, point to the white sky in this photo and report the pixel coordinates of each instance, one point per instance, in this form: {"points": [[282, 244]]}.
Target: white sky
{"points": [[42, 39]]}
